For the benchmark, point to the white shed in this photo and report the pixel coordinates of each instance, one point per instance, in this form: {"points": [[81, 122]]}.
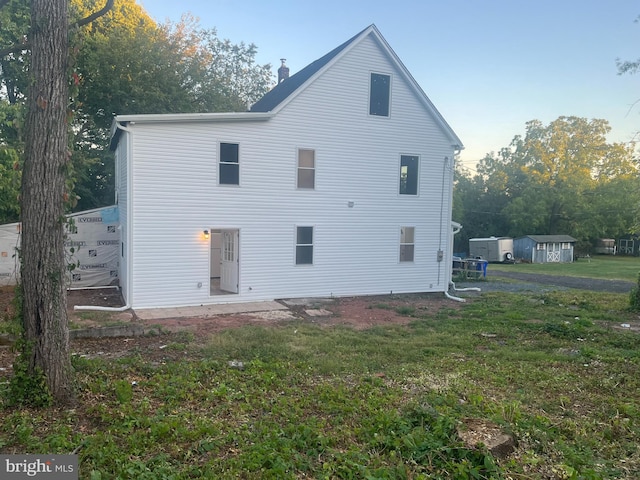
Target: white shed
{"points": [[338, 182]]}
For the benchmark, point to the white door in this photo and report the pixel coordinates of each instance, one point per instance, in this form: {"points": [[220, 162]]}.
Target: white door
{"points": [[553, 252], [229, 261]]}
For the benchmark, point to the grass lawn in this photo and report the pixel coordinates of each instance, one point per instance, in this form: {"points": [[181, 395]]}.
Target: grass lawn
{"points": [[599, 266], [556, 370]]}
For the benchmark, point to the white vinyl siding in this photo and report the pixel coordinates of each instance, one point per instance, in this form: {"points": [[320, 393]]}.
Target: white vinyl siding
{"points": [[356, 213]]}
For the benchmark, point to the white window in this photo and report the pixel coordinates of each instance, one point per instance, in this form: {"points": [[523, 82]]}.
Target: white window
{"points": [[304, 245], [541, 246], [566, 246], [229, 164], [407, 244], [306, 168], [409, 174]]}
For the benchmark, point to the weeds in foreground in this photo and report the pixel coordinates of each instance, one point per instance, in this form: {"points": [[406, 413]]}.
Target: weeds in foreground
{"points": [[634, 297], [318, 402]]}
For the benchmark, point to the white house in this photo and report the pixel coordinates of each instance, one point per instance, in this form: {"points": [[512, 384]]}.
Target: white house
{"points": [[337, 182]]}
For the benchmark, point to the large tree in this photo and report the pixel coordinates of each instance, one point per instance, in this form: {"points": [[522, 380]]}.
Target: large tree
{"points": [[560, 178], [45, 349], [125, 63], [42, 201]]}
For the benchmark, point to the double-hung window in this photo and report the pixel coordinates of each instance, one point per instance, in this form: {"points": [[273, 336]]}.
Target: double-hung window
{"points": [[409, 174], [306, 168], [229, 164], [407, 243], [304, 245]]}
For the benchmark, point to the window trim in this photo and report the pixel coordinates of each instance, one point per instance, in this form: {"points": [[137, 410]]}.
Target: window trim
{"points": [[296, 245], [298, 168], [405, 244], [417, 182], [390, 76], [220, 163]]}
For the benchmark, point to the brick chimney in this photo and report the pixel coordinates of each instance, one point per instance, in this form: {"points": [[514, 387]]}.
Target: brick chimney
{"points": [[283, 71]]}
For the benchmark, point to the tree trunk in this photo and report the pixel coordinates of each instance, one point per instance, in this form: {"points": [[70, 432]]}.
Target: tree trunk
{"points": [[42, 200]]}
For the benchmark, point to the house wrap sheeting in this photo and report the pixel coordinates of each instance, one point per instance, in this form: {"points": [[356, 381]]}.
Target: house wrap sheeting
{"points": [[92, 245]]}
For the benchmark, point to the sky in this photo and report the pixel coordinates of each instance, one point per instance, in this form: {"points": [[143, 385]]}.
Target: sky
{"points": [[489, 66]]}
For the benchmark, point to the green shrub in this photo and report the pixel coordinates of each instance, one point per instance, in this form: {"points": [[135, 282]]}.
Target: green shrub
{"points": [[634, 297]]}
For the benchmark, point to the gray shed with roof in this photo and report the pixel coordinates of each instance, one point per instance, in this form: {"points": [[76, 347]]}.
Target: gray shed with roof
{"points": [[544, 248]]}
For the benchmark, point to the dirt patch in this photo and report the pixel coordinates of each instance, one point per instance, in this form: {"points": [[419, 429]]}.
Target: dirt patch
{"points": [[356, 312], [366, 312]]}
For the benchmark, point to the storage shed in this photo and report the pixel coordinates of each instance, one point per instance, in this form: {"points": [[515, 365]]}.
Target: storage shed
{"points": [[544, 248], [629, 245]]}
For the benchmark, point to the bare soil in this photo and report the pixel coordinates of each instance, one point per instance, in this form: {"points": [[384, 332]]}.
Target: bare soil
{"points": [[355, 312]]}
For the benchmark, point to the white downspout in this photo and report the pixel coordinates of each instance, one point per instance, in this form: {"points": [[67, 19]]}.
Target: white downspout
{"points": [[97, 308], [129, 249], [458, 227]]}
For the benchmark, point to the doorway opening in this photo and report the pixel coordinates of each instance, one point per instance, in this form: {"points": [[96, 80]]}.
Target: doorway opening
{"points": [[224, 261]]}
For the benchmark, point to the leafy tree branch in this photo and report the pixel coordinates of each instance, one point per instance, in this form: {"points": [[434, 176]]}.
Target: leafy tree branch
{"points": [[26, 45]]}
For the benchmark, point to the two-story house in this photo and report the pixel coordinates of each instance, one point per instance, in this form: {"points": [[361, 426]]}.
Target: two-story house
{"points": [[337, 182]]}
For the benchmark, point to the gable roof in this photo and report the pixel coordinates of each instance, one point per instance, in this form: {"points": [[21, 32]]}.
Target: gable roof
{"points": [[286, 90], [551, 238], [287, 87]]}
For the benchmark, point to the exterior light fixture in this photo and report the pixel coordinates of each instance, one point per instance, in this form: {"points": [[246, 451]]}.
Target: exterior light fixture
{"points": [[206, 234]]}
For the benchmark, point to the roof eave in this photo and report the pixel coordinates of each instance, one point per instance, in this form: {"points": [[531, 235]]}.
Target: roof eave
{"points": [[183, 118], [194, 117]]}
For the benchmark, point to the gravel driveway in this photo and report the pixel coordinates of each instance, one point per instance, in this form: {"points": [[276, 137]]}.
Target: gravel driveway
{"points": [[540, 283]]}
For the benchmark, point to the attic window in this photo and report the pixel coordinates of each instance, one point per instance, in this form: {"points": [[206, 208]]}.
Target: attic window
{"points": [[379, 94], [229, 166]]}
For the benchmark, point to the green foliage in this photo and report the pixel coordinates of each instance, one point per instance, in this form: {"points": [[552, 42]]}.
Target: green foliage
{"points": [[123, 63], [332, 402], [406, 311], [560, 178], [27, 388], [124, 391], [634, 297]]}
